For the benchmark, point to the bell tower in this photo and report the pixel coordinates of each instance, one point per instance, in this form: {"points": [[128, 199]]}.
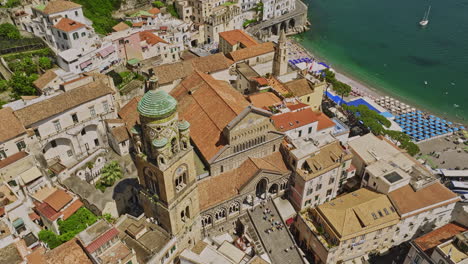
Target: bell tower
{"points": [[166, 167], [280, 61]]}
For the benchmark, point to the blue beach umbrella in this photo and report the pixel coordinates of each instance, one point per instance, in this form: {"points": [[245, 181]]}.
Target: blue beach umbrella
{"points": [[462, 127], [455, 129]]}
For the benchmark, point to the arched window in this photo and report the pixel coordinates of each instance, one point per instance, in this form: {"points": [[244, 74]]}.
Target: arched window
{"points": [[206, 220], [174, 145], [162, 161], [187, 212], [180, 178], [75, 35], [234, 207]]}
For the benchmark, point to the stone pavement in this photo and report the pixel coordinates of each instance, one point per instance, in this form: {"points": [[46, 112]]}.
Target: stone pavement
{"points": [[450, 155], [278, 243]]}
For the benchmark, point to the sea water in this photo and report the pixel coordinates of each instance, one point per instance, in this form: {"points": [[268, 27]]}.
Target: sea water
{"points": [[382, 44]]}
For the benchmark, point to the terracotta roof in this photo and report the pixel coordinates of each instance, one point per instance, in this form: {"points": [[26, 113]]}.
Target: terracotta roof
{"points": [[138, 24], [13, 158], [45, 79], [236, 36], [300, 87], [101, 240], [252, 51], [291, 120], [10, 125], [33, 216], [71, 209], [120, 134], [151, 38], [351, 215], [217, 189], [47, 211], [120, 27], [62, 102], [68, 25], [68, 253], [154, 11], [263, 100], [168, 73], [58, 199], [129, 113], [329, 157], [37, 256], [114, 121], [208, 105], [429, 241], [59, 6], [260, 80], [407, 200], [294, 107]]}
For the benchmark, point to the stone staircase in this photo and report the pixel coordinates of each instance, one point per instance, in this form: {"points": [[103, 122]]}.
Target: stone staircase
{"points": [[250, 231]]}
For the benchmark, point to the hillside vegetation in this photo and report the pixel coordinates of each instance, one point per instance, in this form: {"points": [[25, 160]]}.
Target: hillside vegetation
{"points": [[100, 12]]}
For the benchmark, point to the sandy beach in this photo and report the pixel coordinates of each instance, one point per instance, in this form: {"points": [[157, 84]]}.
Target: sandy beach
{"points": [[296, 51]]}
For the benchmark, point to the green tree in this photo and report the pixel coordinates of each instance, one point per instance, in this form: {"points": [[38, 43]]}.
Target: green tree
{"points": [[78, 222], [22, 84], [45, 63], [158, 4], [111, 173], [50, 238], [3, 85], [9, 31], [12, 3]]}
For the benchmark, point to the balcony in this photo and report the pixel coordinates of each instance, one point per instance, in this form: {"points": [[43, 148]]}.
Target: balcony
{"points": [[317, 230]]}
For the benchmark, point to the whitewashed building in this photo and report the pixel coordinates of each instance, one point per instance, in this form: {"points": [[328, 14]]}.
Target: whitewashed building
{"points": [[277, 8], [69, 125]]}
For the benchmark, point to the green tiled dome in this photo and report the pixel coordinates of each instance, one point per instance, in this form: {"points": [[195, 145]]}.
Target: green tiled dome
{"points": [[183, 125], [160, 142], [156, 104]]}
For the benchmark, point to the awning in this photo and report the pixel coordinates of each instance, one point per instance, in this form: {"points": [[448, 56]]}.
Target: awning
{"points": [[30, 175], [85, 64], [107, 51], [18, 222]]}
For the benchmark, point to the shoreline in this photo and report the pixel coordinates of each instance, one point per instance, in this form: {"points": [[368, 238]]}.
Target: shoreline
{"points": [[371, 90]]}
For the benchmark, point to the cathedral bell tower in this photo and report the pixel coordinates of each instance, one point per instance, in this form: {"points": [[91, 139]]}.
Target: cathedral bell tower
{"points": [[166, 167], [280, 61]]}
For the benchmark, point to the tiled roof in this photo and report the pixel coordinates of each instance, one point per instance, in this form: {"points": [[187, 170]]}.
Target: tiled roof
{"points": [[237, 35], [291, 120], [10, 125], [154, 11], [47, 211], [407, 200], [68, 25], [120, 27], [62, 102], [216, 189], [33, 216], [45, 79], [129, 113], [300, 87], [264, 100], [59, 6], [208, 105], [58, 199], [138, 24], [68, 253], [351, 215], [294, 107], [328, 158], [71, 209], [252, 51], [104, 238], [429, 241], [120, 134], [151, 38], [12, 159], [168, 73]]}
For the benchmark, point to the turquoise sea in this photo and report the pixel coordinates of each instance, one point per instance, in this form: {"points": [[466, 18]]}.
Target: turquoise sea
{"points": [[382, 44]]}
